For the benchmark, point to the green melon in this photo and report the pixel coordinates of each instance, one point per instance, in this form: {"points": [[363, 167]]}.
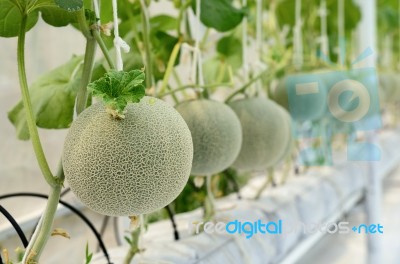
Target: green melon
{"points": [[313, 106], [265, 131], [131, 166], [389, 87], [216, 134]]}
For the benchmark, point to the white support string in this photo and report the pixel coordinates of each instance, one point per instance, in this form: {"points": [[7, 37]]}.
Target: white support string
{"points": [[97, 11], [341, 37], [259, 29], [259, 65], [245, 54], [298, 38], [323, 13], [119, 43], [197, 64]]}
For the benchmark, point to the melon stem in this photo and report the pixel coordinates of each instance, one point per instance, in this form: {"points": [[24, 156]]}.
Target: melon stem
{"points": [[209, 203], [269, 180]]}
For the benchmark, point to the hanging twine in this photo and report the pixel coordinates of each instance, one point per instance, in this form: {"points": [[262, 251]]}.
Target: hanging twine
{"points": [[197, 63], [341, 37], [323, 13], [119, 43], [298, 38], [245, 54]]}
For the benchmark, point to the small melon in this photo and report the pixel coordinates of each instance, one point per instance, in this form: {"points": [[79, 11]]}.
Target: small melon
{"points": [[216, 134], [130, 166], [266, 133], [303, 107]]}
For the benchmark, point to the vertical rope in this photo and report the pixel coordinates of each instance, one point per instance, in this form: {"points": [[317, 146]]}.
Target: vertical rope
{"points": [[245, 54], [259, 23], [197, 64], [298, 38], [97, 10], [341, 37], [324, 30], [259, 29], [118, 42]]}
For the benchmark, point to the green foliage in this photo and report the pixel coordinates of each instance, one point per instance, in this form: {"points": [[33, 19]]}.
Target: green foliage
{"points": [[10, 19], [117, 88], [88, 256], [70, 5], [220, 14], [53, 97], [11, 13], [230, 49]]}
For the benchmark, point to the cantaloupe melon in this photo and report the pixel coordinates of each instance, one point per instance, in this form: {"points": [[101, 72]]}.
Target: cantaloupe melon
{"points": [[265, 133], [130, 166], [303, 107], [216, 134]]}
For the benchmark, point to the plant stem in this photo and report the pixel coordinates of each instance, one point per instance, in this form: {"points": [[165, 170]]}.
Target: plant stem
{"points": [[209, 202], [191, 86], [33, 132], [147, 46], [43, 231], [81, 98], [244, 87], [82, 23], [100, 42], [170, 65], [134, 249], [269, 179]]}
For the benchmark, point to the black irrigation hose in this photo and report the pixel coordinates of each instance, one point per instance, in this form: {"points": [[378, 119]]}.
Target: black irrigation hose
{"points": [[172, 218], [73, 209], [17, 228], [66, 191]]}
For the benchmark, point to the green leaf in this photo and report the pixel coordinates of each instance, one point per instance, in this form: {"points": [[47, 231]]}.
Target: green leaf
{"points": [[53, 98], [162, 46], [220, 14], [10, 19], [117, 88], [163, 23], [230, 48], [56, 16], [70, 5]]}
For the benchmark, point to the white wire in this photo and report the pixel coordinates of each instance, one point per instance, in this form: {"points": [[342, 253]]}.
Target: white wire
{"points": [[97, 11], [119, 43], [259, 29], [245, 54], [323, 12], [259, 23], [197, 64], [341, 36], [298, 41]]}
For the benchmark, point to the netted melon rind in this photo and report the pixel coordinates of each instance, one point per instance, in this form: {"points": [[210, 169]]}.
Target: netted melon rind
{"points": [[216, 134], [265, 135], [131, 166]]}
